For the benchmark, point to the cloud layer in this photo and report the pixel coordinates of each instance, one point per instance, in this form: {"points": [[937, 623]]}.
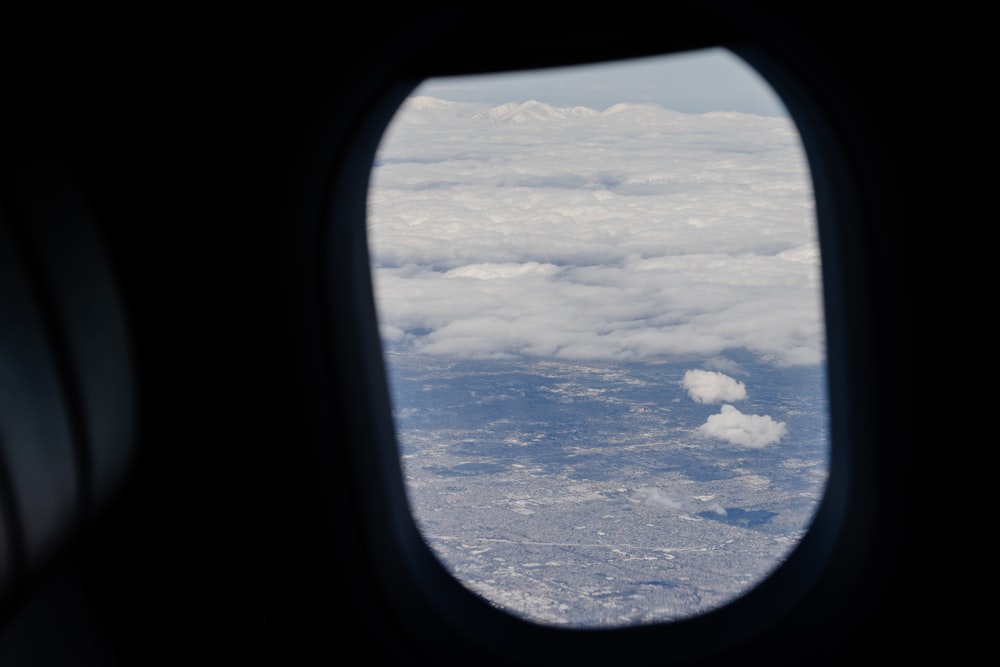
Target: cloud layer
{"points": [[634, 232]]}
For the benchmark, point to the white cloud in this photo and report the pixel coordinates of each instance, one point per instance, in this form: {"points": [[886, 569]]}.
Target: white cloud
{"points": [[631, 233], [658, 498], [716, 508], [737, 428], [713, 387]]}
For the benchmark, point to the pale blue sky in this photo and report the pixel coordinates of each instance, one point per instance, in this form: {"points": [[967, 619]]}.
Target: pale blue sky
{"points": [[693, 82]]}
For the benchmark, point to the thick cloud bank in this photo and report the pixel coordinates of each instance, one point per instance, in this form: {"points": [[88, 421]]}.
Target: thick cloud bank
{"points": [[633, 232]]}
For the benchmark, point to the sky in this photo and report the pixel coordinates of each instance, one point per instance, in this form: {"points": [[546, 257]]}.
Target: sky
{"points": [[693, 82], [602, 216]]}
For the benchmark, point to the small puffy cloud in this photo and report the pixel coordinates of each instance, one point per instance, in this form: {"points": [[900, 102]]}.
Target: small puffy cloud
{"points": [[737, 428], [713, 387], [657, 498], [716, 508]]}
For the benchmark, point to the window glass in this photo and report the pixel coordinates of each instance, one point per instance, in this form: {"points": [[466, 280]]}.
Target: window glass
{"points": [[599, 296]]}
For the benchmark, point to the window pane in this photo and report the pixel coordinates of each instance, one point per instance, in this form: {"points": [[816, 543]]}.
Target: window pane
{"points": [[604, 335]]}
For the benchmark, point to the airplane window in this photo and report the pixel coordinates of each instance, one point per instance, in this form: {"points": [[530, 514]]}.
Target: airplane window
{"points": [[600, 304]]}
